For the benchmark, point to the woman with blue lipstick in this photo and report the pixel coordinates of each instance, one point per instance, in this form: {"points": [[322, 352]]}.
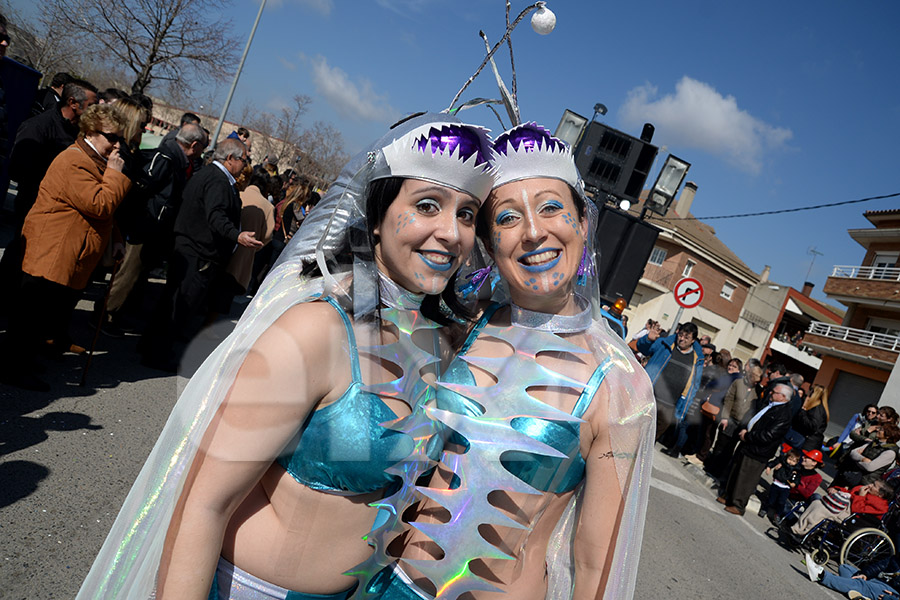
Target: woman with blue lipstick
{"points": [[541, 490], [261, 483]]}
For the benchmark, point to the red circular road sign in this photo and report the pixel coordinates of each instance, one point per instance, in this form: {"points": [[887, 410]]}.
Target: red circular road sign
{"points": [[688, 292]]}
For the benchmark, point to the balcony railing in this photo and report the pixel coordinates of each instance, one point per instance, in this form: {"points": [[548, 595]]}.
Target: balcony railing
{"points": [[858, 336], [883, 273]]}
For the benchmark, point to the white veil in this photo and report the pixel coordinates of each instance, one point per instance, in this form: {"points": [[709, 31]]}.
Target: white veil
{"points": [[127, 563]]}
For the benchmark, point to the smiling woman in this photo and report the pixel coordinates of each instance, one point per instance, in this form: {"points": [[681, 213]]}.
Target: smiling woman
{"points": [[542, 487], [425, 234], [262, 482]]}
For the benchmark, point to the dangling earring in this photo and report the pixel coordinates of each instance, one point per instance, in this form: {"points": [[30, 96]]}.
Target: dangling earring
{"points": [[586, 268], [476, 280]]}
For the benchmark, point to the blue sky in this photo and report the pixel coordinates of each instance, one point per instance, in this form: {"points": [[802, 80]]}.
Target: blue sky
{"points": [[775, 104]]}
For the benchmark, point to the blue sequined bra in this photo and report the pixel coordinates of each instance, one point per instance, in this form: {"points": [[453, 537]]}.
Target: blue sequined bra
{"points": [[544, 473], [342, 448]]}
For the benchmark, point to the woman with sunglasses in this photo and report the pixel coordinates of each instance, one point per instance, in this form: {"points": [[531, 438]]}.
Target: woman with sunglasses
{"points": [[65, 234]]}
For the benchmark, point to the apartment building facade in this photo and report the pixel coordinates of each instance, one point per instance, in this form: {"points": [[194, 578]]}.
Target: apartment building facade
{"points": [[859, 363]]}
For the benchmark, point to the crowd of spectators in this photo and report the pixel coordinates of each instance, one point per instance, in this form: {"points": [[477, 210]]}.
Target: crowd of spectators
{"points": [[92, 205], [738, 421]]}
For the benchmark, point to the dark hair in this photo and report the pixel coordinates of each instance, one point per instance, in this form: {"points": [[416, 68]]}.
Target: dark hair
{"points": [[77, 90], [870, 406], [261, 179], [60, 79], [891, 413], [144, 100], [780, 368], [795, 453], [243, 132], [891, 432], [740, 365], [3, 21], [189, 118], [110, 94], [380, 194], [689, 328]]}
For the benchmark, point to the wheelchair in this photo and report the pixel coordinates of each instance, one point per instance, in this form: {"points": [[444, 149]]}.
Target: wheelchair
{"points": [[858, 540]]}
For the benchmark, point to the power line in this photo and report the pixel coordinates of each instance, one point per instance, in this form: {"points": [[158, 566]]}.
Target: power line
{"points": [[783, 210]]}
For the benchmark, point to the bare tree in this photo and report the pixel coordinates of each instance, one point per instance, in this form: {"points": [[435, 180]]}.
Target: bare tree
{"points": [[41, 44], [174, 41], [280, 132], [322, 153]]}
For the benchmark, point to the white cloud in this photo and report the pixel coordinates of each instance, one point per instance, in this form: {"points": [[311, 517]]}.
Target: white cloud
{"points": [[403, 7], [353, 100], [287, 64], [697, 116], [323, 7]]}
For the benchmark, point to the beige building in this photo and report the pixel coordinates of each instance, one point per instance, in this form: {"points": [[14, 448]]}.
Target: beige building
{"points": [[689, 248]]}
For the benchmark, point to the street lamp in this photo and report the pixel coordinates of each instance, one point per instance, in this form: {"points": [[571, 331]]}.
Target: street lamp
{"points": [[237, 75], [667, 183]]}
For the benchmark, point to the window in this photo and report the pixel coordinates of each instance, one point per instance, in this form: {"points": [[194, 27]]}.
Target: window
{"points": [[688, 268], [657, 256], [728, 290]]}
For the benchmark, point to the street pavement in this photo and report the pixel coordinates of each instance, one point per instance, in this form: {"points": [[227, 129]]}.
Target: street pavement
{"points": [[70, 456]]}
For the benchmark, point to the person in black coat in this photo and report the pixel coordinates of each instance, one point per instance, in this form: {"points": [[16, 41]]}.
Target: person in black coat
{"points": [[207, 229], [812, 419], [759, 443]]}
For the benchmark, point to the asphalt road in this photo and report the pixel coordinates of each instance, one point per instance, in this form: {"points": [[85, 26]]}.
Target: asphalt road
{"points": [[69, 457]]}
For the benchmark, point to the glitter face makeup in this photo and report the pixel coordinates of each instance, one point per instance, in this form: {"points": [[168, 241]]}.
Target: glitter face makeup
{"points": [[427, 232], [537, 241]]}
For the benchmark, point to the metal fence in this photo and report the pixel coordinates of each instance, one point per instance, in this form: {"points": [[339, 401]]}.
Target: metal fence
{"points": [[857, 272], [858, 336]]}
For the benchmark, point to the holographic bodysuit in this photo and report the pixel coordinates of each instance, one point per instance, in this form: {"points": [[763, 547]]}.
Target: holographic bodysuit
{"points": [[511, 442], [545, 473], [343, 448]]}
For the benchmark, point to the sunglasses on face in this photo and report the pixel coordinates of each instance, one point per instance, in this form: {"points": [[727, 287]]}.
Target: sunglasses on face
{"points": [[112, 138]]}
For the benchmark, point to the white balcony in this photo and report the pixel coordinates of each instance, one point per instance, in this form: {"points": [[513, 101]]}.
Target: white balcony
{"points": [[796, 353], [858, 272], [856, 336]]}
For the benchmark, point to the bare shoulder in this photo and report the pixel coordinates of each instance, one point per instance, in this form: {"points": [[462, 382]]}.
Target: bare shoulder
{"points": [[303, 336]]}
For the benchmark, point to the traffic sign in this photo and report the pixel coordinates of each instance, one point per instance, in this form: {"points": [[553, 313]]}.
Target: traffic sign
{"points": [[688, 292]]}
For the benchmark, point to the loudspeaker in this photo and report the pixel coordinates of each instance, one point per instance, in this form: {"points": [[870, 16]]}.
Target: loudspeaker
{"points": [[624, 244], [615, 162]]}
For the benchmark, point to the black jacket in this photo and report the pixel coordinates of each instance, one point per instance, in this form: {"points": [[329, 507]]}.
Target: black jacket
{"points": [[811, 424], [762, 442], [44, 99], [152, 205], [208, 223], [38, 141]]}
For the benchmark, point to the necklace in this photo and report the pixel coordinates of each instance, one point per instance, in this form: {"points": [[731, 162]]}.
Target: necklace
{"points": [[554, 323], [394, 296]]}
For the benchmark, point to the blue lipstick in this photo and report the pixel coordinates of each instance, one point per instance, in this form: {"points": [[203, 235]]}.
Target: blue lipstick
{"points": [[543, 267], [438, 266]]}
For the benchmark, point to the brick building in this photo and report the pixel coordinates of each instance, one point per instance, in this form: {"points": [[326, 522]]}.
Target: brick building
{"points": [[690, 248], [859, 362]]}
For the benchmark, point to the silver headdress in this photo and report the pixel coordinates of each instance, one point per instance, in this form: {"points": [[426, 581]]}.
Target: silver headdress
{"points": [[528, 151], [439, 152]]}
